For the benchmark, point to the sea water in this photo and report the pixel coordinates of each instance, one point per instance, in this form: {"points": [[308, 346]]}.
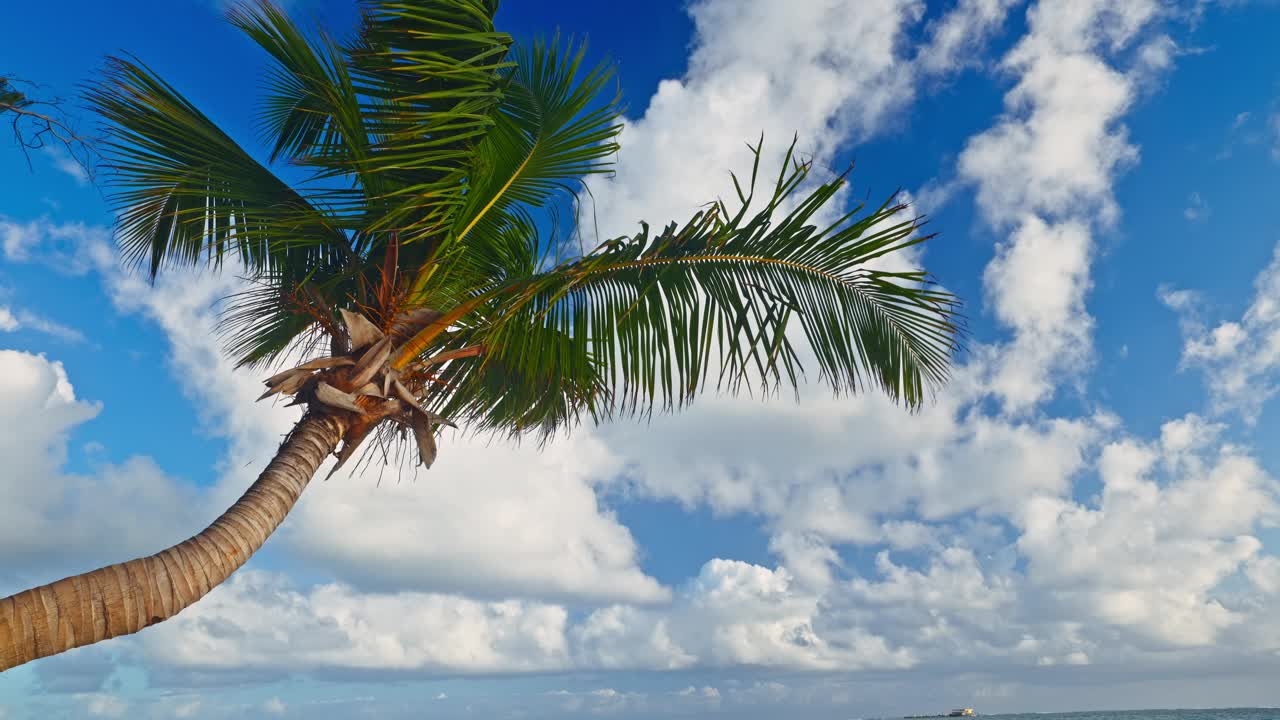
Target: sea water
{"points": [[1217, 714]]}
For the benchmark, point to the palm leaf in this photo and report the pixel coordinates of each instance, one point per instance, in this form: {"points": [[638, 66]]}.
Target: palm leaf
{"points": [[547, 136], [646, 320], [188, 192], [551, 130], [431, 74], [312, 113]]}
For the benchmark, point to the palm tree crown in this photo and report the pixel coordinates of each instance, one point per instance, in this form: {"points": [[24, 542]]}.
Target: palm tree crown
{"points": [[412, 252]]}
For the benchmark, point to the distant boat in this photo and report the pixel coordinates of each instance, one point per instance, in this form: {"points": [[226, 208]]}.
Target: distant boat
{"points": [[958, 712]]}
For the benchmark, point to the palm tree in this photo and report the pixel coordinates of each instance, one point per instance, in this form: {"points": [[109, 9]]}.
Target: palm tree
{"points": [[411, 266]]}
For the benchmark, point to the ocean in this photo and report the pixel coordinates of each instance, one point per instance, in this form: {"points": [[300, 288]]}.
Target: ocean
{"points": [[1219, 714]]}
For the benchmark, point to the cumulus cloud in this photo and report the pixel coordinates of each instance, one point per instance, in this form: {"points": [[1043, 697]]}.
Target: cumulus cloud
{"points": [[1176, 517], [53, 520], [1036, 285], [832, 70], [258, 620], [733, 613], [1045, 172], [1239, 357]]}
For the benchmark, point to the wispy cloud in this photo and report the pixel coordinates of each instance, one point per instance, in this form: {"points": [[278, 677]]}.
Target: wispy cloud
{"points": [[14, 320], [1273, 126], [71, 248], [62, 160], [1197, 208], [957, 38]]}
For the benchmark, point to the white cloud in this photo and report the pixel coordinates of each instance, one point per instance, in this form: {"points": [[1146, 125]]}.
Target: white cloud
{"points": [[1264, 572], [1045, 172], [956, 38], [837, 468], [733, 613], [11, 321], [1036, 285], [1149, 555], [62, 160], [1057, 150], [72, 248], [1156, 55], [55, 525], [1239, 357], [831, 70], [1196, 209], [954, 580], [258, 620], [275, 706], [102, 705]]}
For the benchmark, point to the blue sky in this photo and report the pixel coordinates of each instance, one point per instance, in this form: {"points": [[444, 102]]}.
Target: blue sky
{"points": [[1084, 518]]}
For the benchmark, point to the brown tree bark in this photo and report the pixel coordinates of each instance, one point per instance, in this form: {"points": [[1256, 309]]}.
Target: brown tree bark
{"points": [[126, 597]]}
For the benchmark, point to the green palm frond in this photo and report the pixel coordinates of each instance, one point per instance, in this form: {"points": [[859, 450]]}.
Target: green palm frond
{"points": [[311, 114], [261, 323], [547, 136], [650, 318], [431, 74], [553, 128], [537, 384], [188, 192]]}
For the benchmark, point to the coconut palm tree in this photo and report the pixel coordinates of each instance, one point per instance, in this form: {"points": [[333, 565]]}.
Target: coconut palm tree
{"points": [[412, 267]]}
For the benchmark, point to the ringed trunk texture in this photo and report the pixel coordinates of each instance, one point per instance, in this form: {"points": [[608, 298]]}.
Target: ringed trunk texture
{"points": [[126, 597]]}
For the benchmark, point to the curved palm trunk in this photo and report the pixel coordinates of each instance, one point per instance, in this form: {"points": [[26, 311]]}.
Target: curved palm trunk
{"points": [[124, 598]]}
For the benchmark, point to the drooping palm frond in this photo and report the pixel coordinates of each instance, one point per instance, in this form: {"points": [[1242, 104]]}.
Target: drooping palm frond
{"points": [[387, 127], [397, 112], [188, 191], [311, 113], [537, 384], [644, 321]]}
